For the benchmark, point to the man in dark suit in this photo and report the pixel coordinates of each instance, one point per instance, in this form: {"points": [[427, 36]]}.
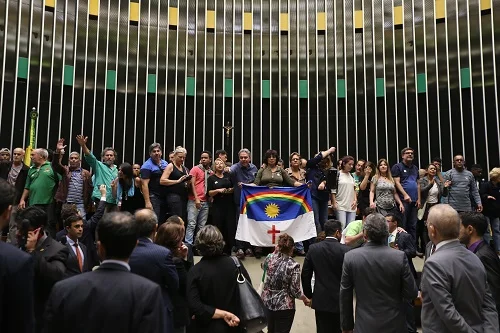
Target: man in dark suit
{"points": [[49, 256], [154, 262], [110, 298], [472, 229], [455, 294], [325, 260], [382, 280], [16, 276], [77, 262]]}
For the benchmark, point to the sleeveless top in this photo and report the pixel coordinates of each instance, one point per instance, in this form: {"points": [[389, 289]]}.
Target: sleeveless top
{"points": [[181, 188], [384, 193]]}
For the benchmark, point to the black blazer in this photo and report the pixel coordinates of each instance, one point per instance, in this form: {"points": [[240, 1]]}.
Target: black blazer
{"points": [[179, 300], [109, 299], [72, 267], [16, 290], [20, 181], [407, 245], [50, 267], [325, 259], [491, 263]]}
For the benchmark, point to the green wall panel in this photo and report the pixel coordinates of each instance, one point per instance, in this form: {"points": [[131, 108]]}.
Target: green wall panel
{"points": [[22, 71], [190, 86], [151, 83], [68, 75], [341, 88], [303, 89], [111, 80]]}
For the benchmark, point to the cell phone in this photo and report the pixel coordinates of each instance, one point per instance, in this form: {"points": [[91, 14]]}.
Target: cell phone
{"points": [[189, 177]]}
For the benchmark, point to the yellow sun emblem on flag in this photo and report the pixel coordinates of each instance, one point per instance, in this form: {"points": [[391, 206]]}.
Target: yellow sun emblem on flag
{"points": [[272, 210]]}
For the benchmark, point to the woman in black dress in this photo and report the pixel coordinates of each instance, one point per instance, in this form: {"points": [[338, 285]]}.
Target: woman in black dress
{"points": [[126, 189], [220, 189]]}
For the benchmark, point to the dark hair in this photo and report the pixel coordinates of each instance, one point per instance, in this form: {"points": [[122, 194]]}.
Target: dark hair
{"points": [[107, 149], [321, 237], [8, 194], [154, 146], [395, 218], [371, 165], [376, 228], [345, 160], [476, 166], [269, 153], [209, 241], [146, 222], [476, 220], [68, 210], [117, 234], [126, 183], [72, 219], [404, 150], [368, 210], [437, 159], [331, 227], [361, 160], [285, 243], [35, 216], [220, 152], [169, 235], [206, 152], [175, 219]]}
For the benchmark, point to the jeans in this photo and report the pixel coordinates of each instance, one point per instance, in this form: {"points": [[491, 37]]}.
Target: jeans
{"points": [[495, 228], [299, 246], [410, 219], [280, 321], [345, 217], [196, 219], [159, 207], [320, 209]]}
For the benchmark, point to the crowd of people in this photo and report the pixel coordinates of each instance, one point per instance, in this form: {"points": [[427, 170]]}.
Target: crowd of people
{"points": [[62, 221]]}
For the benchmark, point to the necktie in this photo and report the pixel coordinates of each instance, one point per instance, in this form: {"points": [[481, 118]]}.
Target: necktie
{"points": [[78, 256], [433, 249]]}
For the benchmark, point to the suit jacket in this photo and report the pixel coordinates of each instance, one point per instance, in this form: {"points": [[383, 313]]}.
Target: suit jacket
{"points": [[407, 245], [325, 260], [491, 264], [428, 250], [20, 181], [50, 267], [179, 299], [109, 299], [384, 284], [155, 263], [16, 290], [455, 295], [72, 267]]}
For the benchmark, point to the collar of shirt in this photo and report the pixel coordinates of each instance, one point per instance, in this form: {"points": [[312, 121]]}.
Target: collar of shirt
{"points": [[41, 240], [118, 262], [70, 241], [474, 245], [331, 237], [394, 233], [440, 244]]}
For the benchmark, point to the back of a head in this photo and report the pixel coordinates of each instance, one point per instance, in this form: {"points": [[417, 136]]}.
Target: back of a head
{"points": [[34, 216], [476, 220], [117, 233], [376, 228], [8, 195], [170, 235], [175, 219], [209, 241], [285, 243], [146, 222], [445, 220], [331, 227], [367, 211]]}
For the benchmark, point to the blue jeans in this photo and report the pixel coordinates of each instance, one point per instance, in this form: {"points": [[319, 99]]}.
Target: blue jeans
{"points": [[345, 217], [494, 224], [196, 219], [410, 219], [320, 209], [299, 247]]}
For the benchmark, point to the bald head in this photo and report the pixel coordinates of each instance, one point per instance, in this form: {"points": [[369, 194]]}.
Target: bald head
{"points": [[146, 222], [444, 223]]}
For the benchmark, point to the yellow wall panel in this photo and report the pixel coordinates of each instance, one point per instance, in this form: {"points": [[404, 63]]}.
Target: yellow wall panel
{"points": [[50, 3], [485, 4], [398, 15], [440, 9], [321, 21], [172, 16], [134, 12], [94, 7], [247, 21], [358, 19], [210, 23], [284, 21]]}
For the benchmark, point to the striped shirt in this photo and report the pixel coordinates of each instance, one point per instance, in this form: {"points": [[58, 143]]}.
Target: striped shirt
{"points": [[462, 188], [75, 187]]}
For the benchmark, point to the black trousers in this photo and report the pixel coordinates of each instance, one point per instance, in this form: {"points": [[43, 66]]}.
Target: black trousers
{"points": [[223, 217], [327, 322], [280, 321]]}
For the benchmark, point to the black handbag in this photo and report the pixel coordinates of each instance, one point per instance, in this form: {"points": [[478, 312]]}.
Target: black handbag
{"points": [[252, 314]]}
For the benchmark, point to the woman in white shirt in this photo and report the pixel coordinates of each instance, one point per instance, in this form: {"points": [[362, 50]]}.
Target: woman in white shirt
{"points": [[344, 200]]}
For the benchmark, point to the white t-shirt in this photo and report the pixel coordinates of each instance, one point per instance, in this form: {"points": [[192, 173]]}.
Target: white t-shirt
{"points": [[432, 196], [345, 192]]}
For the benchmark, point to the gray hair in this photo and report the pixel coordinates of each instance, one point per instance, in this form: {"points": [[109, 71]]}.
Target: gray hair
{"points": [[180, 149], [376, 228], [74, 153], [154, 146], [244, 150], [445, 220], [146, 222], [42, 152], [209, 241]]}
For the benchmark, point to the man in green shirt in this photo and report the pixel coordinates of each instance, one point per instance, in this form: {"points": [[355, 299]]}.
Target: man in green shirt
{"points": [[353, 234], [104, 172], [40, 187]]}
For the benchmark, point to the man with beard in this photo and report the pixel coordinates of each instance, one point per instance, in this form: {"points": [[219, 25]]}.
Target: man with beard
{"points": [[104, 172], [152, 190], [76, 184]]}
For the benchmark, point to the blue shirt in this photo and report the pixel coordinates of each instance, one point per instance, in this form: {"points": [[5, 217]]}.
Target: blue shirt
{"points": [[152, 171], [408, 177], [241, 174]]}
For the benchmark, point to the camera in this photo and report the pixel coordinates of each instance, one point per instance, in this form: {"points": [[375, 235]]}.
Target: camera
{"points": [[332, 178]]}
